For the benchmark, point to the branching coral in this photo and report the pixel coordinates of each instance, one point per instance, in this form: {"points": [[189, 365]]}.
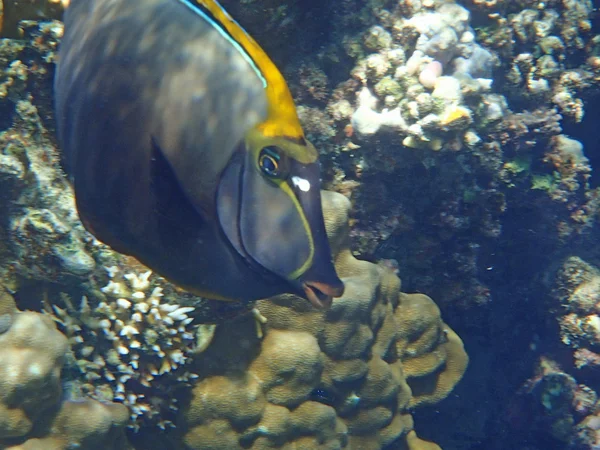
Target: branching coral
{"points": [[133, 345]]}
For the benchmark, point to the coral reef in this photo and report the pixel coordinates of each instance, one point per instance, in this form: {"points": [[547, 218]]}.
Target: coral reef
{"points": [[545, 39], [578, 293], [444, 151], [85, 424], [347, 377], [41, 233], [44, 244], [32, 354], [344, 366], [552, 403], [423, 91], [475, 191], [588, 432], [471, 189], [559, 404]]}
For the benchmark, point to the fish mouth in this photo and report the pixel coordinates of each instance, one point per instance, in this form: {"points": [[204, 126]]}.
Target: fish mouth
{"points": [[320, 295]]}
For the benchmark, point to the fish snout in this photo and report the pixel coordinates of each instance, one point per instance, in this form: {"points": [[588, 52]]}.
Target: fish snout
{"points": [[321, 295]]}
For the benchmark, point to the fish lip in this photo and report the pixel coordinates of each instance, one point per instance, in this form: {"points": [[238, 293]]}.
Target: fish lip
{"points": [[321, 295]]}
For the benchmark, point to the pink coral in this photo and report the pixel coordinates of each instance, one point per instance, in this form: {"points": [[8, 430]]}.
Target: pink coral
{"points": [[429, 75]]}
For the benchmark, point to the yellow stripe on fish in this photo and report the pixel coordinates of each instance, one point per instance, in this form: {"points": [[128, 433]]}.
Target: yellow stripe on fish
{"points": [[282, 119]]}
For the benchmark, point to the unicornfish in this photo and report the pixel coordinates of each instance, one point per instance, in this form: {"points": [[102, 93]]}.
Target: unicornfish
{"points": [[185, 150]]}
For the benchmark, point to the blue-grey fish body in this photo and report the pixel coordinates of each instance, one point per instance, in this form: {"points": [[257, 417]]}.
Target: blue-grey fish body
{"points": [[185, 150]]}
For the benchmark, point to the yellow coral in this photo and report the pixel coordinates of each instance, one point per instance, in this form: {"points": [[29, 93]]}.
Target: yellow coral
{"points": [[434, 144], [414, 443], [454, 115], [432, 355], [32, 353], [342, 378]]}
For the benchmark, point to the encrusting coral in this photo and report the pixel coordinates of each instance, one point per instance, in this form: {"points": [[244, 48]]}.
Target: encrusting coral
{"points": [[343, 378]]}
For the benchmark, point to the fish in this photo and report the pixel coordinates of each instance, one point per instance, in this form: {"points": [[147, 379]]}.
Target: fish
{"points": [[185, 150]]}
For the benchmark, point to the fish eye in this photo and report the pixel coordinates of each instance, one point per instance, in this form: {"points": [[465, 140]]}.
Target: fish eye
{"points": [[268, 161]]}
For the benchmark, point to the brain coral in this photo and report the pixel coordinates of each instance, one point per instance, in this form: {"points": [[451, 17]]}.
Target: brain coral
{"points": [[342, 378]]}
